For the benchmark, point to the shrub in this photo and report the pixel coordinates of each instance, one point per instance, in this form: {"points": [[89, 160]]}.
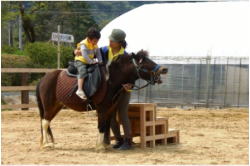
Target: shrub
{"points": [[66, 55], [37, 55], [11, 50], [13, 61], [42, 55]]}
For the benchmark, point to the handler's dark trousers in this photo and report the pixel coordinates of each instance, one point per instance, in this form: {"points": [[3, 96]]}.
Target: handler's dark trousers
{"points": [[122, 111]]}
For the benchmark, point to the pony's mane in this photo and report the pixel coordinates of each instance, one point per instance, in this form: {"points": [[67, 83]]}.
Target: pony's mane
{"points": [[142, 53], [123, 58]]}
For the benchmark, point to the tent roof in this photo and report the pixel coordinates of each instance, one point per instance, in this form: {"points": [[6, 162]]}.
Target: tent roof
{"points": [[168, 30]]}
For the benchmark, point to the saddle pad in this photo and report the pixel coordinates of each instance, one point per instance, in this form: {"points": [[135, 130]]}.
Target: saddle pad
{"points": [[65, 92]]}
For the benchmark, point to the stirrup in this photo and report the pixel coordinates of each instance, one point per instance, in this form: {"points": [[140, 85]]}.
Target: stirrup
{"points": [[89, 106]]}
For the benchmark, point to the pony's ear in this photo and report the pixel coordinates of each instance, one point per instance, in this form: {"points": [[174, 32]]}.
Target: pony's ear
{"points": [[133, 55]]}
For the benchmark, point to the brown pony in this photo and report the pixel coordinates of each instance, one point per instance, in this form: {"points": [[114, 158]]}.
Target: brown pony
{"points": [[55, 90]]}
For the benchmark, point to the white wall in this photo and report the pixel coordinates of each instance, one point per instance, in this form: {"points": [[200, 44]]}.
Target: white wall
{"points": [[186, 29]]}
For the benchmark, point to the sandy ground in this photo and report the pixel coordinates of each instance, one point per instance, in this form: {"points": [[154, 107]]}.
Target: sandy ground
{"points": [[207, 136]]}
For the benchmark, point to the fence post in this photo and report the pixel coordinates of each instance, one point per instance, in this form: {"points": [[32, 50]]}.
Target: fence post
{"points": [[182, 85], [24, 93], [208, 80], [195, 82], [239, 84], [213, 85], [225, 89], [200, 80]]}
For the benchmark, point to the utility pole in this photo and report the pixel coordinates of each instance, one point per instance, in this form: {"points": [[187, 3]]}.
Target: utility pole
{"points": [[58, 47], [10, 34], [20, 33]]}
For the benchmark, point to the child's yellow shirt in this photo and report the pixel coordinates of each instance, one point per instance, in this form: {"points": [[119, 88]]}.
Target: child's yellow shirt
{"points": [[90, 51]]}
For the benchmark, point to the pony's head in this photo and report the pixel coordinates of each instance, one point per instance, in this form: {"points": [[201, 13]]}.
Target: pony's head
{"points": [[146, 68], [134, 66]]}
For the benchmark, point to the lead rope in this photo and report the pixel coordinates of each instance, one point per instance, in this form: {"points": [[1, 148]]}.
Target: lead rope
{"points": [[89, 106]]}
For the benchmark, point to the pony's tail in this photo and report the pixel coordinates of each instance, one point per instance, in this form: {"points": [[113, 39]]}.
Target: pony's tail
{"points": [[39, 101]]}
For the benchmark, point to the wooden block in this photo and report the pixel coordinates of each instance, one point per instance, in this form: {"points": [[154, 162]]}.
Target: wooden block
{"points": [[161, 142], [151, 130], [173, 136], [162, 120], [150, 144], [149, 123], [135, 127], [133, 115], [147, 113], [156, 137], [142, 128], [172, 132], [147, 108], [160, 129], [150, 115], [141, 104]]}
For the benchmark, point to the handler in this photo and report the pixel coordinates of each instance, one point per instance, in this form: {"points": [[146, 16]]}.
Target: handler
{"points": [[117, 45]]}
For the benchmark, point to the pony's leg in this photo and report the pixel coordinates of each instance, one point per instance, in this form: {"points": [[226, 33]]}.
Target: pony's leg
{"points": [[100, 138], [48, 139], [99, 144], [45, 126], [56, 109], [103, 127], [50, 134], [107, 131]]}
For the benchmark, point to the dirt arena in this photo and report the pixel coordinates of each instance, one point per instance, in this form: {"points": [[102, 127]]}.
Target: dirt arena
{"points": [[207, 136]]}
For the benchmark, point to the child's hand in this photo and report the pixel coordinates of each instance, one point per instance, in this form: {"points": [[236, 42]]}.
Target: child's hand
{"points": [[95, 61], [77, 52], [127, 87]]}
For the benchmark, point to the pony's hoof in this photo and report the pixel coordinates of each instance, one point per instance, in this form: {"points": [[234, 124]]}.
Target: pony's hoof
{"points": [[47, 146], [100, 148], [107, 146]]}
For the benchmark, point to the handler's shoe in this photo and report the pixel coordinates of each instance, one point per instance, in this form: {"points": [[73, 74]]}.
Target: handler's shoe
{"points": [[127, 145], [81, 94], [118, 143]]}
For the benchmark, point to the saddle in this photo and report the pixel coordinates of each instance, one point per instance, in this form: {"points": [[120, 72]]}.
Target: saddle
{"points": [[92, 82]]}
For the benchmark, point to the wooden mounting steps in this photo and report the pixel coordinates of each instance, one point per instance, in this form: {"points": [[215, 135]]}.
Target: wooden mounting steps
{"points": [[151, 130]]}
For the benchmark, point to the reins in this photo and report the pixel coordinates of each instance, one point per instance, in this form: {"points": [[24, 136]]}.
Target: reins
{"points": [[139, 69], [152, 76]]}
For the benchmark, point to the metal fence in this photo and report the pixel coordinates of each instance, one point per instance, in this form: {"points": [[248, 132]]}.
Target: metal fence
{"points": [[207, 82]]}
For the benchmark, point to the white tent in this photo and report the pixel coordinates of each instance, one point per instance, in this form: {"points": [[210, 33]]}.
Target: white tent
{"points": [[217, 29]]}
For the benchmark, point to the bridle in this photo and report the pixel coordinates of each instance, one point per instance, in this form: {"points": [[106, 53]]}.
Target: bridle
{"points": [[154, 77]]}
